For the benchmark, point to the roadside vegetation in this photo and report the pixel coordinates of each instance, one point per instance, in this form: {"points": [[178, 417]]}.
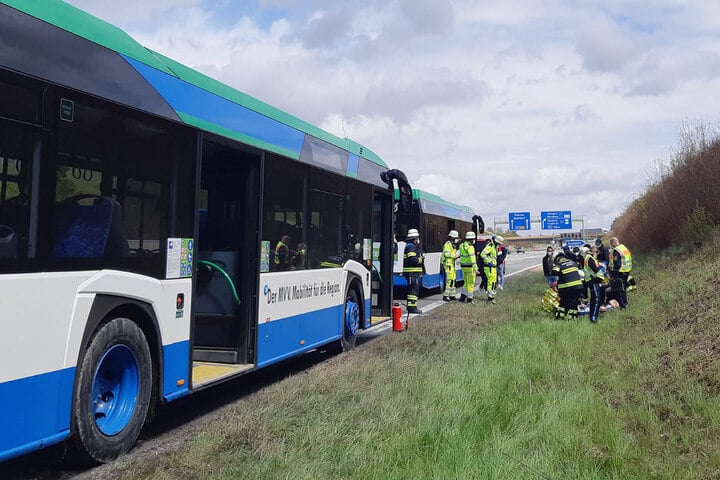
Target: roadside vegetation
{"points": [[493, 391], [504, 391], [681, 205]]}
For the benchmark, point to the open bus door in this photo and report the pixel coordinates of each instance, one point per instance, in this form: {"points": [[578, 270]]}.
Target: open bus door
{"points": [[382, 254], [387, 207], [224, 300]]}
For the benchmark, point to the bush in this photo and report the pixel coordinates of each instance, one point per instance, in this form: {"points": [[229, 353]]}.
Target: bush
{"points": [[698, 226], [682, 202]]}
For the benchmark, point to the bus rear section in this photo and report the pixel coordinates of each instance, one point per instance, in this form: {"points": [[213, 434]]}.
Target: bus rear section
{"points": [[433, 217]]}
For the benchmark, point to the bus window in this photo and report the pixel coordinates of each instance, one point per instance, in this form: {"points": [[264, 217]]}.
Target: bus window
{"points": [[116, 181], [284, 206], [16, 148]]}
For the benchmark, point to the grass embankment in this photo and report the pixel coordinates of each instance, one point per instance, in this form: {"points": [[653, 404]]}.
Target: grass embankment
{"points": [[503, 392]]}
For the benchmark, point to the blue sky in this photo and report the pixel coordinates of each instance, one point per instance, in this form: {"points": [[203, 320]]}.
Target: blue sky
{"points": [[502, 106]]}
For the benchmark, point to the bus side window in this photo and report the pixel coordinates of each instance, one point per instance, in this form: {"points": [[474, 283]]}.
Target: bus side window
{"points": [[89, 226]]}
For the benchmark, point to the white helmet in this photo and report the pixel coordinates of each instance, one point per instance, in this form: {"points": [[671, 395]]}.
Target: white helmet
{"points": [[498, 239], [453, 234], [470, 235], [413, 233]]}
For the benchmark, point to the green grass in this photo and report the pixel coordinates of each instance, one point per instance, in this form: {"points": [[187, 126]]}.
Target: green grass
{"points": [[494, 391]]}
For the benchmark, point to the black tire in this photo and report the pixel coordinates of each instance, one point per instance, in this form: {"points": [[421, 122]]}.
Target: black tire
{"points": [[112, 393], [352, 312]]}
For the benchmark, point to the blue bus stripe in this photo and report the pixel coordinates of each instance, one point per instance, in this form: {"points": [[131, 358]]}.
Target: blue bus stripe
{"points": [[191, 100], [35, 412], [280, 339], [176, 367]]}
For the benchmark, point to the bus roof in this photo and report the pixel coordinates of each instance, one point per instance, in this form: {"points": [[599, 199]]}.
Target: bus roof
{"points": [[188, 92], [436, 205]]}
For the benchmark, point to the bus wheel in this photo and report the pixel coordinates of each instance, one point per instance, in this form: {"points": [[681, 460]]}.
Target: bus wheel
{"points": [[351, 320], [112, 393]]}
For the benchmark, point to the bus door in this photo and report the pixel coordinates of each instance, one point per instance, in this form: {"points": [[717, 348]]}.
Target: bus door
{"points": [[224, 302], [382, 253]]}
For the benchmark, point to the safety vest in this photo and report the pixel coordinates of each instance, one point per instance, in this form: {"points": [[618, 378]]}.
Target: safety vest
{"points": [[449, 253], [302, 260], [412, 262], [489, 254], [568, 274], [590, 274], [467, 255], [280, 245], [625, 259]]}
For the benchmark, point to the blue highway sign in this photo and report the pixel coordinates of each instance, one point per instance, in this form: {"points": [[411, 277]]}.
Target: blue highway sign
{"points": [[557, 220], [519, 220]]}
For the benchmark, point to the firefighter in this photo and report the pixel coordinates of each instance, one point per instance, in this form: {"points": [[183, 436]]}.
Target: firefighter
{"points": [[283, 254], [619, 267], [489, 259], [593, 280], [413, 269], [448, 257], [469, 267], [300, 259], [569, 285]]}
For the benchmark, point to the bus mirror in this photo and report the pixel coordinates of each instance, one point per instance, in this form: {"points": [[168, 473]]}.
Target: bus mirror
{"points": [[478, 224], [403, 186]]}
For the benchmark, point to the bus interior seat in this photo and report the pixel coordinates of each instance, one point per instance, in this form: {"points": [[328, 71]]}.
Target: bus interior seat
{"points": [[8, 242], [89, 230]]}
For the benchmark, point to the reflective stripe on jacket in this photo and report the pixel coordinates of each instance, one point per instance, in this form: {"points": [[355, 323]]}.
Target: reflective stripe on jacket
{"points": [[467, 255], [591, 269], [568, 274], [625, 259], [412, 261], [489, 254], [449, 254]]}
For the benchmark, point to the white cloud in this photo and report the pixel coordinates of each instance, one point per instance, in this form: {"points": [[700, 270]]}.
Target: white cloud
{"points": [[519, 106]]}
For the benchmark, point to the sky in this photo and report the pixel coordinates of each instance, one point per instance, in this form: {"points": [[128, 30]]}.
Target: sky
{"points": [[512, 106]]}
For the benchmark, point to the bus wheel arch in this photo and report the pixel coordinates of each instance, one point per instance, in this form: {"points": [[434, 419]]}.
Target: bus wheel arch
{"points": [[115, 385], [352, 314]]}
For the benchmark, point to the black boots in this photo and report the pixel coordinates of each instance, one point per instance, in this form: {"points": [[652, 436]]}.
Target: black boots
{"points": [[414, 310]]}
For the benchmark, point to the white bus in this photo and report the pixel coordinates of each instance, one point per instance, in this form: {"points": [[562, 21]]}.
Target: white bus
{"points": [[434, 217], [141, 206]]}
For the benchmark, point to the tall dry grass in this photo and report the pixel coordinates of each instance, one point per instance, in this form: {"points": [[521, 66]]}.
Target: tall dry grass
{"points": [[681, 205]]}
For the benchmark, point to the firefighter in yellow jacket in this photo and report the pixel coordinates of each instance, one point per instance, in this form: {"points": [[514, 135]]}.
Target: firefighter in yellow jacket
{"points": [[448, 257], [489, 259], [620, 266], [468, 265]]}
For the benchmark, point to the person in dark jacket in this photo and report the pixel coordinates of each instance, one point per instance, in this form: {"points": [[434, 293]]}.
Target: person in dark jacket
{"points": [[569, 286], [413, 269], [502, 252], [547, 264], [602, 252]]}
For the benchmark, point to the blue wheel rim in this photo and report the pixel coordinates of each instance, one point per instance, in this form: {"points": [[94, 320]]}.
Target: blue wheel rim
{"points": [[352, 317], [115, 389]]}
